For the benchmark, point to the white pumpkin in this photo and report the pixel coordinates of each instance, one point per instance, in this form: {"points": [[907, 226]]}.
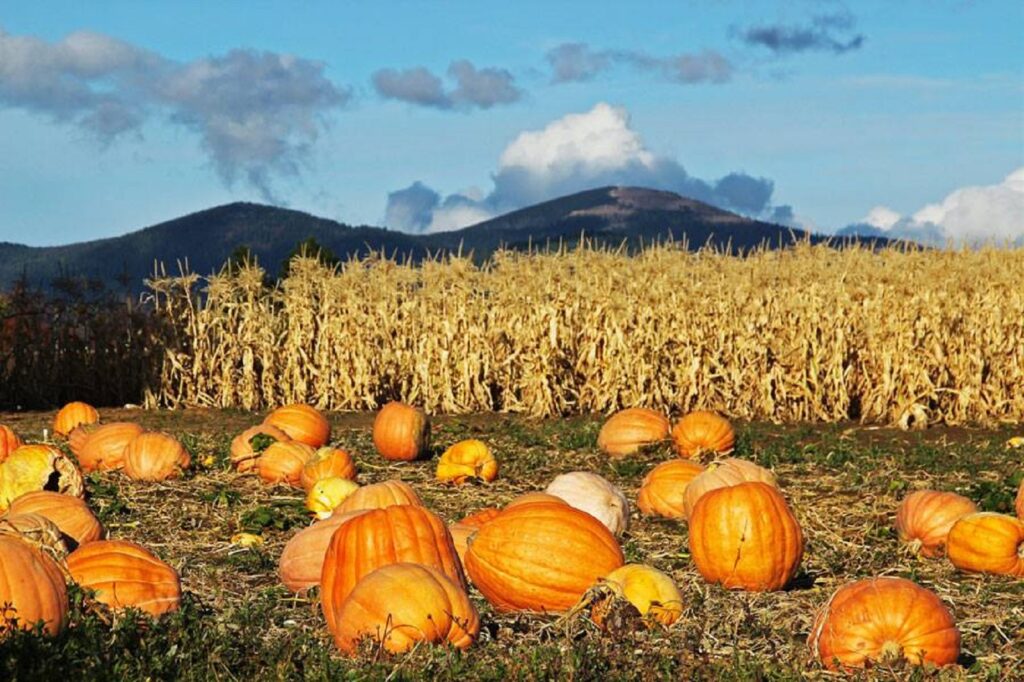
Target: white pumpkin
{"points": [[594, 495]]}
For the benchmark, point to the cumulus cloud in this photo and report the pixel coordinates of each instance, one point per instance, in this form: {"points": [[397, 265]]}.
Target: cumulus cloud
{"points": [[472, 87], [576, 62], [826, 33], [256, 113], [576, 152]]}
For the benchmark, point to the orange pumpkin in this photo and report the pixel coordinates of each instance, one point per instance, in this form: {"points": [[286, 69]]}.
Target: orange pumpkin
{"points": [[401, 432], [745, 537], [36, 467], [986, 542], [379, 496], [70, 514], [123, 574], [380, 537], [155, 457], [540, 557], [722, 474], [663, 490], [883, 620], [32, 588], [73, 415], [9, 442], [104, 448], [327, 463], [700, 432], [462, 530], [283, 462], [302, 559], [628, 430], [924, 518], [465, 460], [535, 497], [302, 423], [77, 438], [248, 446], [653, 593], [399, 605]]}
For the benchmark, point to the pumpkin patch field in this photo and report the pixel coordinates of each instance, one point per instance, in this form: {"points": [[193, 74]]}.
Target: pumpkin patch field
{"points": [[400, 544]]}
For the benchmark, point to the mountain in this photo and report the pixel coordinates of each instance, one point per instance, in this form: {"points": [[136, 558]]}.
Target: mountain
{"points": [[608, 215]]}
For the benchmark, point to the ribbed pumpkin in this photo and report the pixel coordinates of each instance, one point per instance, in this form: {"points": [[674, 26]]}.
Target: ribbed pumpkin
{"points": [[628, 430], [123, 574], [32, 587], [986, 542], [745, 537], [378, 537], [302, 559], [36, 467], [465, 460], [327, 493], [722, 474], [653, 593], [104, 449], [155, 456], [596, 496], [9, 442], [73, 415], [663, 490], [540, 557], [77, 438], [327, 462], [534, 498], [401, 432], [378, 496], [302, 423], [702, 432], [463, 529], [883, 620], [248, 446], [71, 514], [924, 518], [400, 605], [283, 462], [37, 530]]}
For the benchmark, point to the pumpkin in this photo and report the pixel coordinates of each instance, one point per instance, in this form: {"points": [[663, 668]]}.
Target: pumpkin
{"points": [[627, 431], [745, 537], [663, 490], [399, 605], [283, 462], [70, 514], [924, 518], [77, 438], [700, 432], [9, 442], [123, 574], [32, 588], [534, 498], [327, 463], [653, 593], [589, 492], [462, 530], [540, 557], [883, 620], [380, 495], [37, 530], [1020, 501], [722, 474], [248, 446], [302, 423], [104, 449], [987, 542], [380, 537], [467, 459], [327, 494], [302, 559], [155, 457], [401, 432], [31, 468], [73, 415]]}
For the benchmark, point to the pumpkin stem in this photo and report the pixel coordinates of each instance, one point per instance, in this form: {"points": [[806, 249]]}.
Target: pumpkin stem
{"points": [[915, 546], [891, 651]]}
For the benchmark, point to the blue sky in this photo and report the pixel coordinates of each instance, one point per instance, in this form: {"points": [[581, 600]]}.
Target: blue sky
{"points": [[907, 114]]}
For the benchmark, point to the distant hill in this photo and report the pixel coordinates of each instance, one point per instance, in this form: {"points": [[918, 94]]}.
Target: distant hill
{"points": [[609, 215]]}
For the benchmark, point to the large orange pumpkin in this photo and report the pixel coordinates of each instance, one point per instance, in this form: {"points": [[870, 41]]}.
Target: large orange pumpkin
{"points": [[401, 432], [924, 518], [379, 496], [248, 446], [123, 574], [73, 415], [399, 605], [78, 436], [986, 542], [71, 514], [628, 430], [463, 529], [700, 432], [745, 537], [9, 442], [302, 423], [302, 559], [380, 537], [722, 474], [465, 460], [36, 467], [534, 498], [663, 490], [327, 463], [283, 462], [540, 557], [155, 457], [104, 448], [32, 588], [884, 620]]}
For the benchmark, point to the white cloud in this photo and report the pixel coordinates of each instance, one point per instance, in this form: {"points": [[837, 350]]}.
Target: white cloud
{"points": [[881, 217]]}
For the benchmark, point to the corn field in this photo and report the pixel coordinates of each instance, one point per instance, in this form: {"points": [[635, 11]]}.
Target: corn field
{"points": [[804, 334]]}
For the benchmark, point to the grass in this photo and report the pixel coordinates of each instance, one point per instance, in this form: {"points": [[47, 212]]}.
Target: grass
{"points": [[237, 622]]}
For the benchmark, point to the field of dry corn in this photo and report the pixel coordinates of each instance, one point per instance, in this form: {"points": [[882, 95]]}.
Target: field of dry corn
{"points": [[807, 334]]}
